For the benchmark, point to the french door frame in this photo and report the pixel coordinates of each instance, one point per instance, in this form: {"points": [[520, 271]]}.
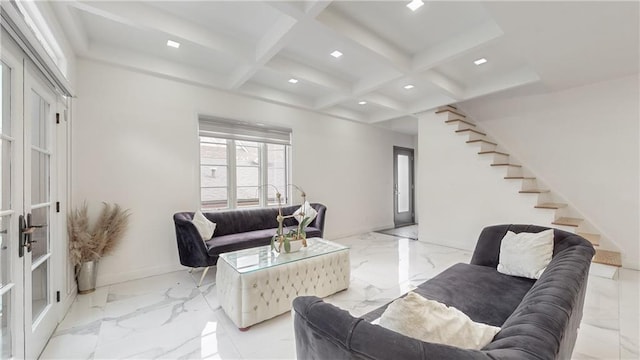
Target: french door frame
{"points": [[401, 218], [29, 335]]}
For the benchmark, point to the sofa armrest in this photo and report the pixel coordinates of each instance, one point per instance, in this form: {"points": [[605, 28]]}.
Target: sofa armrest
{"points": [[323, 331], [318, 222], [191, 249]]}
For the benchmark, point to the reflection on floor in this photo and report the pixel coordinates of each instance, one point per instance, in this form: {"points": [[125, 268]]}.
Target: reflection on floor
{"points": [[166, 316], [408, 232]]}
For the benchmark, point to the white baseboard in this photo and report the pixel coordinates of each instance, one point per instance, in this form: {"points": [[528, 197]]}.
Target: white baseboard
{"points": [[109, 279]]}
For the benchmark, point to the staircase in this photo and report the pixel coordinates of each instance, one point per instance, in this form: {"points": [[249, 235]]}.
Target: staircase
{"points": [[605, 262]]}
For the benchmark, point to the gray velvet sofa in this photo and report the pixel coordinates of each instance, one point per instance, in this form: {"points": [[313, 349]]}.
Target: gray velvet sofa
{"points": [[236, 230], [539, 318]]}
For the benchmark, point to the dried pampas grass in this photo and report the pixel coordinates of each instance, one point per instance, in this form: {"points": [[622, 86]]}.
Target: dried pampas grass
{"points": [[90, 244]]}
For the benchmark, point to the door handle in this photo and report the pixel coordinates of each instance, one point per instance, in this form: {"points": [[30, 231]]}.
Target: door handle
{"points": [[22, 225]]}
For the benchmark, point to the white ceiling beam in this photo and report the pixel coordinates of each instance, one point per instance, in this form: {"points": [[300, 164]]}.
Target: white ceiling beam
{"points": [[430, 103], [276, 96], [516, 78], [444, 84], [153, 65], [269, 45], [360, 89], [313, 8], [349, 29], [386, 102], [456, 46], [141, 16], [308, 73], [346, 114], [72, 26]]}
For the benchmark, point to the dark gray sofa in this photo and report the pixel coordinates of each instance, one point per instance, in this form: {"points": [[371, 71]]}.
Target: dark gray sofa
{"points": [[539, 319], [236, 230]]}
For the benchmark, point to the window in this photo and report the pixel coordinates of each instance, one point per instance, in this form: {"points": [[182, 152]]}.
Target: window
{"points": [[242, 165]]}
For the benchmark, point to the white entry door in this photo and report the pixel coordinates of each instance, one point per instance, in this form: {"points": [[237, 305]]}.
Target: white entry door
{"points": [[28, 255]]}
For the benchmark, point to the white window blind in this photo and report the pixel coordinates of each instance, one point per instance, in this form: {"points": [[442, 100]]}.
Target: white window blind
{"points": [[237, 130]]}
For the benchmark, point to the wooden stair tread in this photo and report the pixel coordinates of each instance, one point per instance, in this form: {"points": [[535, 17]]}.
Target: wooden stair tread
{"points": [[451, 107], [506, 164], [567, 221], [608, 257], [493, 152], [460, 120], [471, 130], [534, 191], [481, 140], [550, 205], [519, 178], [593, 238], [451, 111]]}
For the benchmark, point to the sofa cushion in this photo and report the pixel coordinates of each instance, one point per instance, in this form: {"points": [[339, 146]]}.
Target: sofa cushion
{"points": [[203, 225], [481, 292], [525, 254], [244, 240], [435, 322]]}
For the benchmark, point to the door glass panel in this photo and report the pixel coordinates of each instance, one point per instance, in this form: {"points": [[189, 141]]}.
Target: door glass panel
{"points": [[39, 111], [5, 250], [5, 175], [5, 325], [403, 183], [39, 290], [39, 177], [5, 108], [40, 237]]}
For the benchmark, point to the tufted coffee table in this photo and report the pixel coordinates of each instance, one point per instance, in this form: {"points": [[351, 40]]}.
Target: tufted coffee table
{"points": [[257, 284]]}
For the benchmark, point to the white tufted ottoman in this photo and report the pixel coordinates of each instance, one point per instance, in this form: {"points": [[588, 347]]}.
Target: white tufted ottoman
{"points": [[257, 284]]}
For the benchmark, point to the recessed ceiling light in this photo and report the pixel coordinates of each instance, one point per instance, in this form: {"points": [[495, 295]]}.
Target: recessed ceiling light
{"points": [[415, 5], [480, 61], [293, 81], [173, 44], [409, 87], [336, 54], [362, 103]]}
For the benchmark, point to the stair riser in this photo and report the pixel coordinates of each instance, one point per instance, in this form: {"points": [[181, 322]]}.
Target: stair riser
{"points": [[475, 136], [500, 159], [513, 171], [452, 116]]}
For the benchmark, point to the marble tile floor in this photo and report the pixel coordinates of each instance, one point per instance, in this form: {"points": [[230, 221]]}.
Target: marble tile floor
{"points": [[408, 231], [168, 317]]}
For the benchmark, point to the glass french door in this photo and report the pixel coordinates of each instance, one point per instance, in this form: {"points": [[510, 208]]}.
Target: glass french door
{"points": [[27, 256], [403, 186]]}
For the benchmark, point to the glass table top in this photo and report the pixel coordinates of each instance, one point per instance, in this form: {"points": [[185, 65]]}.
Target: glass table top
{"points": [[262, 257]]}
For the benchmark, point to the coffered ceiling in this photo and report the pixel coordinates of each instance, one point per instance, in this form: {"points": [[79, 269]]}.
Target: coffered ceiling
{"points": [[255, 47]]}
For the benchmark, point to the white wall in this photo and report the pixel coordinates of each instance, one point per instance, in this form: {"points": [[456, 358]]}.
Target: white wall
{"points": [[460, 193], [584, 143], [135, 143]]}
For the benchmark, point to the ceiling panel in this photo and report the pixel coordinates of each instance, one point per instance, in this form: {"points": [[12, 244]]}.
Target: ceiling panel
{"points": [[500, 61], [410, 31], [153, 43], [422, 89], [312, 44], [280, 81], [246, 20]]}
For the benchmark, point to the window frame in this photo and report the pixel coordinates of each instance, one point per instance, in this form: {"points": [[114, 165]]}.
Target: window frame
{"points": [[232, 167]]}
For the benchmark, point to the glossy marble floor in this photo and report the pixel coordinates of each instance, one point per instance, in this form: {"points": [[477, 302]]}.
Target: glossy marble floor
{"points": [[167, 317]]}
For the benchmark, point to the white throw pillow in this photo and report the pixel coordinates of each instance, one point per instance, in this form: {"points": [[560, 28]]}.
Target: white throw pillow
{"points": [[435, 322], [309, 212], [526, 254], [204, 226]]}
